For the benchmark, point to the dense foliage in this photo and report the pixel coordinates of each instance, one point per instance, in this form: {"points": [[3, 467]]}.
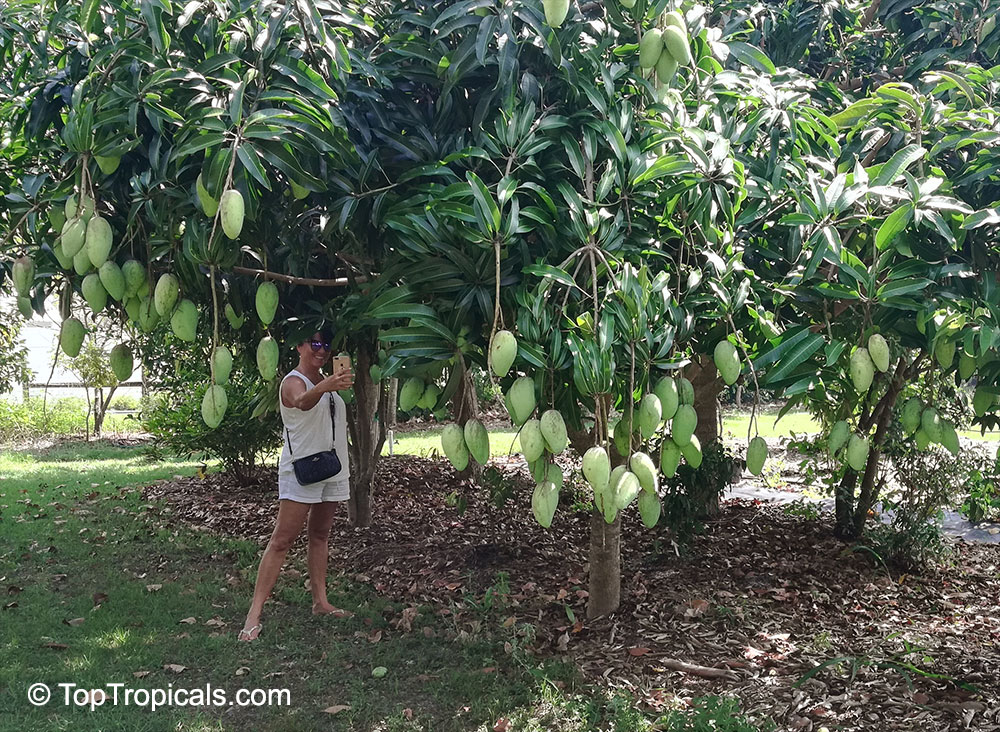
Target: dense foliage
{"points": [[812, 177]]}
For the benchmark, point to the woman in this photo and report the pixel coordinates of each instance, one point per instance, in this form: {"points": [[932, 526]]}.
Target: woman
{"points": [[305, 412]]}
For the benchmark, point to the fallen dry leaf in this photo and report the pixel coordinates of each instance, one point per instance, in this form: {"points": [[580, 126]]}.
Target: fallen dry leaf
{"points": [[337, 708], [189, 621], [174, 667], [75, 622], [141, 674]]}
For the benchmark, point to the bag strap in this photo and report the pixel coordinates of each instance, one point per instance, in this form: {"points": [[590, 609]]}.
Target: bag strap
{"points": [[333, 422], [333, 428]]}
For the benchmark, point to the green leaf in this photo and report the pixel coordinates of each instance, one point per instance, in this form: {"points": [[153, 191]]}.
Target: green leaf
{"points": [[486, 208], [790, 340], [667, 165], [197, 144], [236, 103], [983, 217], [546, 270], [307, 79], [796, 219], [574, 154], [152, 13], [897, 93], [898, 288], [751, 56], [89, 12], [251, 162], [795, 356], [854, 113], [899, 162], [894, 223]]}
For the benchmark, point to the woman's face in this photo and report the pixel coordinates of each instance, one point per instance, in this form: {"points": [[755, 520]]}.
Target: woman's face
{"points": [[315, 350]]}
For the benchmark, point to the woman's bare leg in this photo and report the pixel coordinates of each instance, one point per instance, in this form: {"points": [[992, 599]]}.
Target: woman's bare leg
{"points": [[320, 520], [291, 516]]}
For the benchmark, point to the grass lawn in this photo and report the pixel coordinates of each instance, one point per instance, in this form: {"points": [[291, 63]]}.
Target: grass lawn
{"points": [[427, 443], [99, 590]]}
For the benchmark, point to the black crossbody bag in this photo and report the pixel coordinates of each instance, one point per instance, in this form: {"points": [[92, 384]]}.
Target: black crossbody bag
{"points": [[320, 465]]}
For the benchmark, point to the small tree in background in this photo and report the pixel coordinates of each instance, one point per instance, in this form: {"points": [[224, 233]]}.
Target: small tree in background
{"points": [[93, 367], [14, 369]]}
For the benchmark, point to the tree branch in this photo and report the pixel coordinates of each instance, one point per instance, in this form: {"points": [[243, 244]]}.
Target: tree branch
{"points": [[704, 671], [309, 281]]}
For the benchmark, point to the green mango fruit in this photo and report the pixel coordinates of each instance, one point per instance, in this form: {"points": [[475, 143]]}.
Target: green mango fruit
{"points": [[644, 469], [233, 212], [756, 455], [453, 445], [554, 431], [650, 47], [71, 335], [477, 439], [122, 363], [503, 351], [214, 405]]}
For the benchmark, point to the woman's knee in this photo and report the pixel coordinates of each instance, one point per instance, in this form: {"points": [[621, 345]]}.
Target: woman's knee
{"points": [[319, 535], [281, 542]]}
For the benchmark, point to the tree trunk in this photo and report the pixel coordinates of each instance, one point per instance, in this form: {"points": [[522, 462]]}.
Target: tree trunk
{"points": [[391, 405], [466, 408], [605, 541], [844, 507], [605, 566], [707, 385], [98, 412], [869, 492], [850, 518], [367, 425], [101, 404]]}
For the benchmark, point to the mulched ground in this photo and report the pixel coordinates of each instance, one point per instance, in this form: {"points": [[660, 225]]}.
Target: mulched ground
{"points": [[748, 609]]}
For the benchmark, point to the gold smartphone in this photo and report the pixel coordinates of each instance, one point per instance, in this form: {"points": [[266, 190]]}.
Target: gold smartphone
{"points": [[340, 363]]}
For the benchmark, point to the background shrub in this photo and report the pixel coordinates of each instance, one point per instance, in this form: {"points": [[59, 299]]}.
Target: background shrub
{"points": [[29, 420], [240, 442]]}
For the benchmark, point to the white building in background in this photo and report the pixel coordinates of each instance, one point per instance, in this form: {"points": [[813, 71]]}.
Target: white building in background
{"points": [[40, 335]]}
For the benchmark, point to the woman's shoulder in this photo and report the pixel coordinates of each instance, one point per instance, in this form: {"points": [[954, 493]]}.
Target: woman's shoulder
{"points": [[296, 374]]}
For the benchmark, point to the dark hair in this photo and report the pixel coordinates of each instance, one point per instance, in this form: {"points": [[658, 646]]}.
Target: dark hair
{"points": [[325, 334]]}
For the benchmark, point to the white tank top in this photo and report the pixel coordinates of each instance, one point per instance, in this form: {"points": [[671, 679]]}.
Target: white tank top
{"points": [[309, 432]]}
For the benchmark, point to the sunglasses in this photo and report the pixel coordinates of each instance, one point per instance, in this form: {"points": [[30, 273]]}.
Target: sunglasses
{"points": [[317, 345]]}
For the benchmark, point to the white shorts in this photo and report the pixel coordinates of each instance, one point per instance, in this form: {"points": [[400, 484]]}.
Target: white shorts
{"points": [[328, 490]]}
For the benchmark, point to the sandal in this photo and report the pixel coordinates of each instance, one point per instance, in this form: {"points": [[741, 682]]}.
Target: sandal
{"points": [[247, 634]]}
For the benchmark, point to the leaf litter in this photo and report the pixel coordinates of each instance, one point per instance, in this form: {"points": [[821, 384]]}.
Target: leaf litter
{"points": [[764, 606]]}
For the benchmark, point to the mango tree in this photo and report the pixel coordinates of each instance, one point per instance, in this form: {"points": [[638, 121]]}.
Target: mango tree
{"points": [[583, 202], [887, 272], [170, 164]]}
